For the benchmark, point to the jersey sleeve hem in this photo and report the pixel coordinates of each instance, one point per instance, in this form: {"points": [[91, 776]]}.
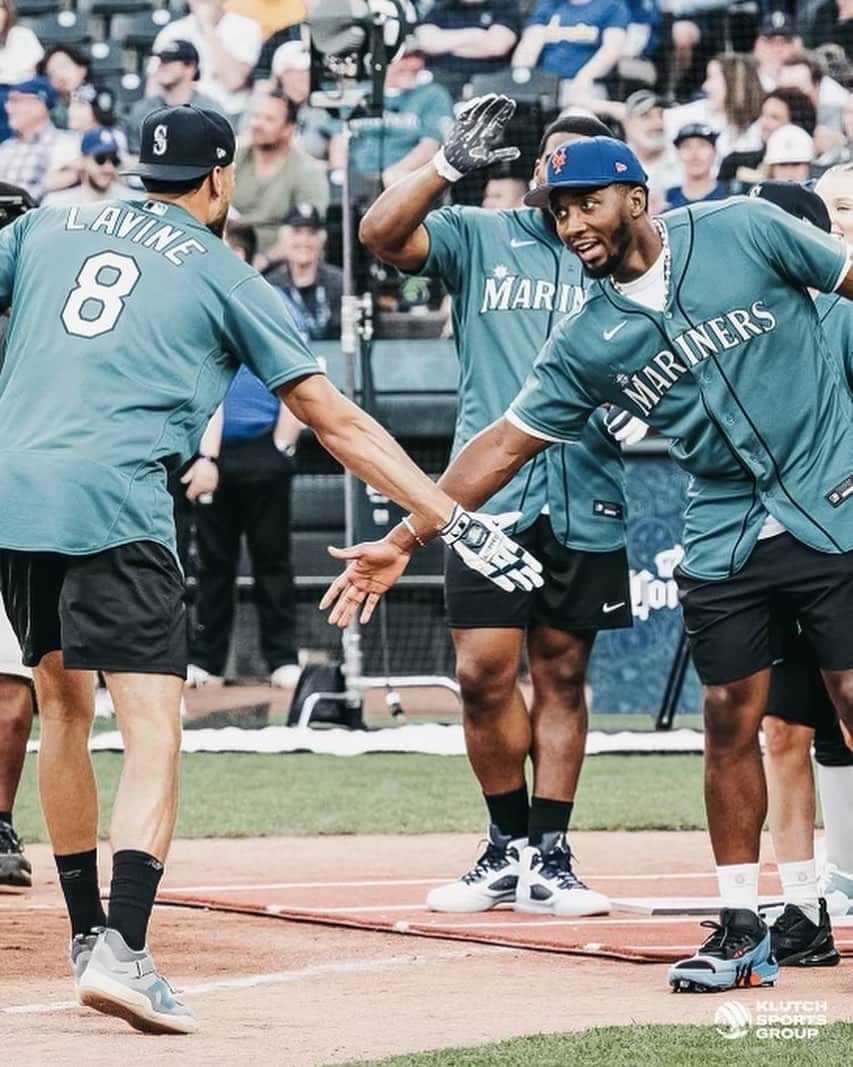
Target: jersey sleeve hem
{"points": [[525, 427], [303, 370], [845, 267]]}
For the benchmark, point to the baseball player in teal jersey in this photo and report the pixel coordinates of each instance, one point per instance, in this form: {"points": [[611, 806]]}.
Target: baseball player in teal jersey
{"points": [[732, 366], [128, 322], [511, 281]]}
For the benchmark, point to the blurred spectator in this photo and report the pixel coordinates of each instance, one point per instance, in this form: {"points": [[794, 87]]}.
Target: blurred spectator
{"points": [[36, 145], [643, 123], [66, 68], [776, 42], [228, 46], [581, 40], [92, 105], [835, 188], [291, 76], [790, 152], [100, 159], [643, 20], [697, 151], [298, 269], [272, 173], [731, 104], [695, 30], [171, 83], [270, 15], [833, 23], [467, 37], [842, 152], [253, 498], [781, 107], [504, 193], [805, 71], [20, 50], [418, 114]]}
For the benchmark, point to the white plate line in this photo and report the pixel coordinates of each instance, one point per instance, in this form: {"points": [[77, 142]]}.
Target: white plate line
{"points": [[248, 981]]}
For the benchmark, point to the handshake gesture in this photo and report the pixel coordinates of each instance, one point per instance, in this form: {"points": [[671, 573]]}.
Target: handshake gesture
{"points": [[477, 539], [479, 127]]}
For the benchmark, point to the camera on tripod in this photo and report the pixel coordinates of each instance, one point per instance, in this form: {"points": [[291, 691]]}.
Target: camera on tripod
{"points": [[352, 42]]}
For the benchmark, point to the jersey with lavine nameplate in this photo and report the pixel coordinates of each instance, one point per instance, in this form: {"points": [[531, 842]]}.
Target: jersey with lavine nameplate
{"points": [[512, 281], [736, 371], [128, 323]]}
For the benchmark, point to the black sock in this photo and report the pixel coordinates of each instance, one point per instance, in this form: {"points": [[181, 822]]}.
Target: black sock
{"points": [[136, 876], [509, 811], [6, 816], [548, 816], [78, 876]]}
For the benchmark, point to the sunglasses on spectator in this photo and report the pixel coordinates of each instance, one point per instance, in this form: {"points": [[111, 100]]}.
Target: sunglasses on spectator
{"points": [[106, 157]]}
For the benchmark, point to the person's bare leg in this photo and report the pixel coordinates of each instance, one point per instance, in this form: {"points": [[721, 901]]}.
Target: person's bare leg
{"points": [[839, 685], [16, 720], [148, 714], [790, 788]]}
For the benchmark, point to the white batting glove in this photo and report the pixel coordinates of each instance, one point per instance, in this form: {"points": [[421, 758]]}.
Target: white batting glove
{"points": [[624, 427], [482, 545]]}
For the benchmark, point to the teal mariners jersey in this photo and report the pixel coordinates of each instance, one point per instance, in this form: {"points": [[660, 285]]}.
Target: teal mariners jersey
{"points": [[735, 370], [128, 322], [836, 320], [512, 281]]}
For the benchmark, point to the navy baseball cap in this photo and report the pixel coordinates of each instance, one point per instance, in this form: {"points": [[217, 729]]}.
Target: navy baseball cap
{"points": [[99, 140], [303, 215], [778, 24], [39, 87], [177, 144], [798, 201], [179, 51], [696, 129], [591, 161]]}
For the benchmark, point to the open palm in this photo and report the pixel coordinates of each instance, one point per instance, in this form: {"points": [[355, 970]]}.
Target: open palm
{"points": [[374, 567]]}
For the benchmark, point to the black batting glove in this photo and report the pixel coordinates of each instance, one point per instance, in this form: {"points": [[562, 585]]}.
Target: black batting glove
{"points": [[470, 144]]}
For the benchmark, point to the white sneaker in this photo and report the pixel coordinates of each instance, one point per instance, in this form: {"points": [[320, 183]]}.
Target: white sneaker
{"points": [[492, 880], [198, 676], [837, 886], [546, 882], [123, 982], [287, 676]]}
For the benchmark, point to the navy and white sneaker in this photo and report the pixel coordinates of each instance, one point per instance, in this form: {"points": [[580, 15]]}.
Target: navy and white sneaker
{"points": [[491, 881], [739, 953], [546, 882]]}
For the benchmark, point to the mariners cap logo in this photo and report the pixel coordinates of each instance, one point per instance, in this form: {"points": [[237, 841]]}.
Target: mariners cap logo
{"points": [[161, 140]]}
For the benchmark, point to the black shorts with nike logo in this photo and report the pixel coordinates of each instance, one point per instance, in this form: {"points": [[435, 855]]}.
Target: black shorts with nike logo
{"points": [[582, 590]]}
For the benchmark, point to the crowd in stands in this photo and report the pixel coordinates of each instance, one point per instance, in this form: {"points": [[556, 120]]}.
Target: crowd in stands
{"points": [[712, 95]]}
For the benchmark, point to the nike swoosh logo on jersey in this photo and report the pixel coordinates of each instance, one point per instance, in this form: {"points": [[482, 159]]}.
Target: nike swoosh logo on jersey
{"points": [[516, 243], [607, 608], [611, 333]]}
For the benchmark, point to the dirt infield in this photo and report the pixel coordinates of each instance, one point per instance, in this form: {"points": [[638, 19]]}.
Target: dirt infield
{"points": [[291, 993]]}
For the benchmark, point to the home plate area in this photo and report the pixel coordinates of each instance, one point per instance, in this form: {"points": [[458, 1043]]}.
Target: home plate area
{"points": [[655, 917]]}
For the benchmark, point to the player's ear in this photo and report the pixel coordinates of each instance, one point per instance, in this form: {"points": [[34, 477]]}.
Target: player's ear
{"points": [[638, 200]]}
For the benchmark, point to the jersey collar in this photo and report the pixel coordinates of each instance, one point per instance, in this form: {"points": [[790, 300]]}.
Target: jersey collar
{"points": [[679, 256]]}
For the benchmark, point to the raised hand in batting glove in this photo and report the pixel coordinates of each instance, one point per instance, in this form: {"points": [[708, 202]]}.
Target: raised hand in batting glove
{"points": [[471, 143], [624, 427], [481, 544]]}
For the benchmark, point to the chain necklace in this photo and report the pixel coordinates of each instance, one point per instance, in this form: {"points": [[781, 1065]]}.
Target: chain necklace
{"points": [[667, 262]]}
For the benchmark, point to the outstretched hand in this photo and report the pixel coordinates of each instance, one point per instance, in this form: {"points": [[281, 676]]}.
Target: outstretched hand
{"points": [[374, 567]]}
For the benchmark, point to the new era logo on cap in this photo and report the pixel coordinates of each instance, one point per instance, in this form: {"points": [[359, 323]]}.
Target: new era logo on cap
{"points": [[620, 167], [181, 143]]}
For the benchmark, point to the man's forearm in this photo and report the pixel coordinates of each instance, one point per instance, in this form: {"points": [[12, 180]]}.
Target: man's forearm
{"points": [[401, 208]]}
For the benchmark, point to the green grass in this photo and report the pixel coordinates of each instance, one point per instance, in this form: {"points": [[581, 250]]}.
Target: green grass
{"points": [[629, 1046], [243, 795]]}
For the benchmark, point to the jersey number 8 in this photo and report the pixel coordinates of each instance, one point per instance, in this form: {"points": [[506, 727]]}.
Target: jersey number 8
{"points": [[103, 283]]}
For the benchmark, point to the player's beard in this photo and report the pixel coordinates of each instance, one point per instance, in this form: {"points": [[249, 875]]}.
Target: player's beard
{"points": [[217, 225], [620, 239]]}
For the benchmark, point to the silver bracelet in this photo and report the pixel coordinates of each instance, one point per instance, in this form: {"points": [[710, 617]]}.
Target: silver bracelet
{"points": [[413, 531]]}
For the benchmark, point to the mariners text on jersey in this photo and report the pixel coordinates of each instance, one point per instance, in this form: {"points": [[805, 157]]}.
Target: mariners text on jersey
{"points": [[139, 227], [503, 291]]}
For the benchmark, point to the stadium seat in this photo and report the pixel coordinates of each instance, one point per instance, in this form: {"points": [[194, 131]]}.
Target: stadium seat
{"points": [[30, 8], [540, 86], [109, 8], [136, 32], [65, 27], [128, 89], [107, 63]]}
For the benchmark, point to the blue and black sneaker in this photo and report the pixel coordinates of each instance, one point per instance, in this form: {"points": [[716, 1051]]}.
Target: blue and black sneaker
{"points": [[738, 953]]}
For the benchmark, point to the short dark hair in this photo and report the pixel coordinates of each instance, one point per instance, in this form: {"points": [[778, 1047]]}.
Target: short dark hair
{"points": [[289, 106], [76, 55], [816, 67], [243, 236], [163, 188], [801, 111], [581, 125]]}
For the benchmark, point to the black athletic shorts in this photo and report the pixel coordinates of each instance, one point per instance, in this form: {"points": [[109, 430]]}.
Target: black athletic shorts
{"points": [[582, 590], [117, 610], [798, 695], [732, 623]]}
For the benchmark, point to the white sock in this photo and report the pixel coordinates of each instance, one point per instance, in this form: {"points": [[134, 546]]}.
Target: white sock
{"points": [[836, 798], [738, 884], [799, 886]]}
